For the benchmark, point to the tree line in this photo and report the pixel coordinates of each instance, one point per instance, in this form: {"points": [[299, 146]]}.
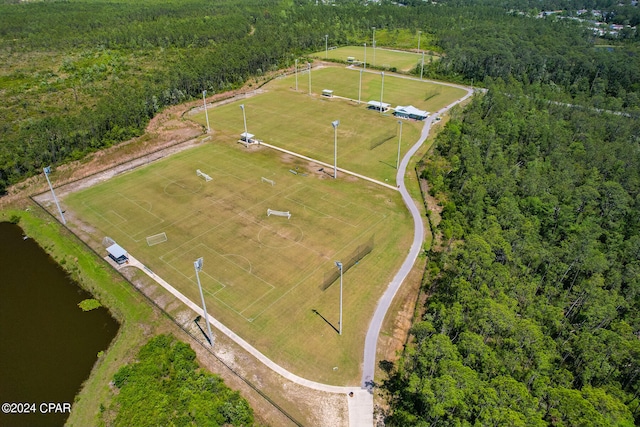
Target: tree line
{"points": [[532, 315]]}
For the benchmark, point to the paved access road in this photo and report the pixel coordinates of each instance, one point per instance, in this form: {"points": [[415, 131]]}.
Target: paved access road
{"points": [[384, 303]]}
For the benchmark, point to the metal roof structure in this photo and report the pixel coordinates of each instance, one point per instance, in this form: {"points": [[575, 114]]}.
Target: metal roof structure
{"points": [[116, 251]]}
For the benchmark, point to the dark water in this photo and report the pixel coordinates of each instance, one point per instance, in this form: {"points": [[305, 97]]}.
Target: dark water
{"points": [[48, 345]]}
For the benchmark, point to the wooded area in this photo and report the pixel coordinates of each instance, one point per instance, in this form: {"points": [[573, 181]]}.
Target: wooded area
{"points": [[534, 288], [82, 75], [165, 386]]}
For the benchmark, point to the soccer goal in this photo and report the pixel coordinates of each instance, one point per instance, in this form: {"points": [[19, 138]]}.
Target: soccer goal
{"points": [[107, 241], [278, 213], [204, 175], [268, 181], [156, 238]]}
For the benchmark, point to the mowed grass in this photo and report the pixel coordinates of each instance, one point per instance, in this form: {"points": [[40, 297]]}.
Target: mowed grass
{"points": [[386, 58], [262, 276], [367, 140]]}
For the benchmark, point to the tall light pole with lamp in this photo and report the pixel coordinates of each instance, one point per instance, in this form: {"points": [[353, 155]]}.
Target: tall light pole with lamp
{"points": [[197, 265], [339, 265], [399, 142], [326, 46], [206, 114], [381, 91], [335, 124], [47, 171], [244, 118]]}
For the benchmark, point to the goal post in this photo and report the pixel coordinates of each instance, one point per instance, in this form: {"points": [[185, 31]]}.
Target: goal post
{"points": [[156, 239], [268, 181], [279, 213], [206, 177]]}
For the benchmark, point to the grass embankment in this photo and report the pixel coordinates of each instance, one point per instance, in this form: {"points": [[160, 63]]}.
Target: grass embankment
{"points": [[124, 303]]}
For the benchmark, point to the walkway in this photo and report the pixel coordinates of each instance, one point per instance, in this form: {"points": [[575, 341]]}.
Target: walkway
{"points": [[384, 303]]}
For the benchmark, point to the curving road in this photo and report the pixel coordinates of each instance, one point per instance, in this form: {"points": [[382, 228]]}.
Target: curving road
{"points": [[384, 303]]}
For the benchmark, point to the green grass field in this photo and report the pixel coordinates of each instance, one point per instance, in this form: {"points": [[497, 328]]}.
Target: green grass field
{"points": [[386, 58], [262, 275], [367, 140]]}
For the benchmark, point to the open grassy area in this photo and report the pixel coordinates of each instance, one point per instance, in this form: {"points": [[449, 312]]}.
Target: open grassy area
{"points": [[367, 140], [385, 58], [262, 275]]}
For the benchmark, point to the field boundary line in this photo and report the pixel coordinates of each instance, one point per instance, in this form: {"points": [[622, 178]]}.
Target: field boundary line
{"points": [[357, 175]]}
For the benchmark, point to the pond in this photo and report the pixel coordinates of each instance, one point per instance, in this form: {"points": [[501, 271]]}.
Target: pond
{"points": [[48, 345]]}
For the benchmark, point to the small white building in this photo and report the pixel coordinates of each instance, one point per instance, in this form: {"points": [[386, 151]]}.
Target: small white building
{"points": [[410, 112], [246, 137], [378, 106]]}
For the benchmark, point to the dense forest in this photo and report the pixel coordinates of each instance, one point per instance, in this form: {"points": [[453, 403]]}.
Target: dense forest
{"points": [[534, 284], [81, 75], [165, 387], [532, 314]]}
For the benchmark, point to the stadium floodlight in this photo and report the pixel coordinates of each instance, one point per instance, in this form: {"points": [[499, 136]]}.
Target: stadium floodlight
{"points": [[419, 34], [364, 66], [326, 46], [198, 267], [309, 64], [374, 46], [47, 171], [399, 142], [339, 265], [296, 75], [244, 117], [360, 87], [335, 124], [422, 66], [206, 114], [381, 91]]}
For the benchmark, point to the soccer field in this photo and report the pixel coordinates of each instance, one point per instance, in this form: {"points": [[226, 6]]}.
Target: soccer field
{"points": [[263, 276], [386, 58], [367, 141]]}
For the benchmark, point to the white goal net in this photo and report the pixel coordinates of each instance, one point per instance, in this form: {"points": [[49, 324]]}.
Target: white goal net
{"points": [[278, 213], [156, 238], [203, 175], [268, 181], [107, 241]]}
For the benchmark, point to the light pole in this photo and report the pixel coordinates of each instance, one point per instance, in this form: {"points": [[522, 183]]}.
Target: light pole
{"points": [[339, 265], [419, 34], [422, 66], [296, 75], [309, 64], [399, 142], [360, 87], [206, 114], [335, 124], [47, 171], [365, 57], [326, 46], [381, 91], [198, 266], [374, 46], [244, 118]]}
